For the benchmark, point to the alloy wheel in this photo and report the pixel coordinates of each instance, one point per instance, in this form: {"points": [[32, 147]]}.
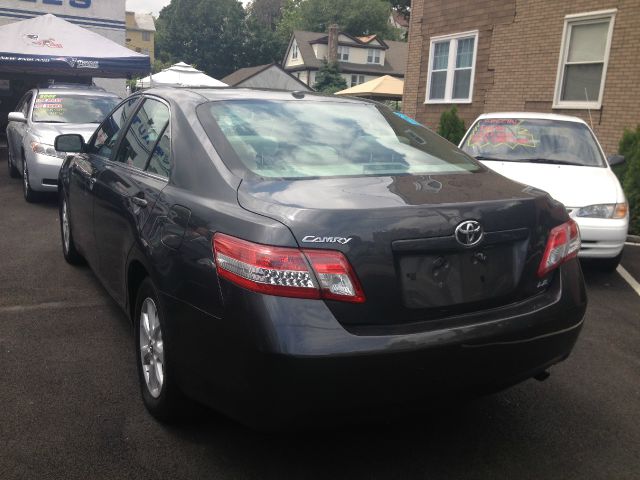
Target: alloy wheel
{"points": [[65, 226], [25, 177], [151, 347]]}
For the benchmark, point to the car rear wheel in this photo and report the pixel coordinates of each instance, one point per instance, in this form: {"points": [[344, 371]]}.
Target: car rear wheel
{"points": [[160, 394], [29, 195], [71, 254], [13, 171]]}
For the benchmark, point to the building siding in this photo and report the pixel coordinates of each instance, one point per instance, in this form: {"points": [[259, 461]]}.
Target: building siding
{"points": [[518, 52]]}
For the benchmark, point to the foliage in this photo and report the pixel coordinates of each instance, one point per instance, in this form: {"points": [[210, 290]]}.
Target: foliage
{"points": [[629, 143], [159, 65], [403, 7], [451, 126], [356, 17], [328, 78], [262, 43], [266, 12], [630, 176], [207, 33]]}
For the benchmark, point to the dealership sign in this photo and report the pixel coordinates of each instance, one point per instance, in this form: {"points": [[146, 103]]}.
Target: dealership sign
{"points": [[71, 3], [87, 13]]}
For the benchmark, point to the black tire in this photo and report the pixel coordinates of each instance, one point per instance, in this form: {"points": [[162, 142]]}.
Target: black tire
{"points": [[13, 171], [71, 254], [29, 194], [608, 265], [168, 403]]}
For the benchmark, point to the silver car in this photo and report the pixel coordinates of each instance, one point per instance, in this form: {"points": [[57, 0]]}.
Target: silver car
{"points": [[41, 115]]}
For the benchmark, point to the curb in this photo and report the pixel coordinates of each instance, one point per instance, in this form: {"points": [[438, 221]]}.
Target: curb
{"points": [[633, 239]]}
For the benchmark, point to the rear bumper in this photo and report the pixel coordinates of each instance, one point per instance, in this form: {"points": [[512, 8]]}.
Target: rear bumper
{"points": [[602, 237], [272, 361]]}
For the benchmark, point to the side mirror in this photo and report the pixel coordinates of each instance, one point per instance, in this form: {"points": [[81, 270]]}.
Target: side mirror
{"points": [[69, 143], [17, 117], [615, 160]]}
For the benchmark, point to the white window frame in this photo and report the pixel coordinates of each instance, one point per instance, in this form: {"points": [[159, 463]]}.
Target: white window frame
{"points": [[146, 36], [294, 50], [578, 19], [358, 78], [343, 53], [451, 66], [375, 55]]}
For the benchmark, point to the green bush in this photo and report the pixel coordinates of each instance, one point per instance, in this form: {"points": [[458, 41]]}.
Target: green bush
{"points": [[629, 143], [328, 79], [451, 126], [630, 175]]}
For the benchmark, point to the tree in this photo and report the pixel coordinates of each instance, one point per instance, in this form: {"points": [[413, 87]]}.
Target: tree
{"points": [[403, 7], [266, 12], [356, 17], [328, 78], [451, 126], [207, 33], [262, 43]]}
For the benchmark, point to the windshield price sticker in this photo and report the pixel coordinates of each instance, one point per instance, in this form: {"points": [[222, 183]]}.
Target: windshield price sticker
{"points": [[497, 132], [49, 104]]}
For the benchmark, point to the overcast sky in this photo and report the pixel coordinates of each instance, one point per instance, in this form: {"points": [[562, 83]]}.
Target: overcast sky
{"points": [[153, 6]]}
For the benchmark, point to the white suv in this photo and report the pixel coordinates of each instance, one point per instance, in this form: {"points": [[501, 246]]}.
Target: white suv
{"points": [[561, 155]]}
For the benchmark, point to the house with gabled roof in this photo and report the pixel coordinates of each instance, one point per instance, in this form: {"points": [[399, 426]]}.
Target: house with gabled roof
{"points": [[361, 59], [271, 76]]}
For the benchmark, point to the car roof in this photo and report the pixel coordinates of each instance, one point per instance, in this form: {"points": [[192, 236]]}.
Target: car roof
{"points": [[532, 116], [227, 93]]}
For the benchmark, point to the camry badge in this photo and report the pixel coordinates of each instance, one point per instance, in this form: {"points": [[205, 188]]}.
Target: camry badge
{"points": [[314, 239], [469, 233]]}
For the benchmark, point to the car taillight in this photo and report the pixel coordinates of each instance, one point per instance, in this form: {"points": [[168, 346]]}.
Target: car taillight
{"points": [[563, 244], [287, 272]]}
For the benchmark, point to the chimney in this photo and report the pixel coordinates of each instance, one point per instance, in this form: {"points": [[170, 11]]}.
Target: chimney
{"points": [[332, 53]]}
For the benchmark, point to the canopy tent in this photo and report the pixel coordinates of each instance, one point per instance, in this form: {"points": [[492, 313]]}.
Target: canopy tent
{"points": [[386, 87], [48, 45], [179, 75]]}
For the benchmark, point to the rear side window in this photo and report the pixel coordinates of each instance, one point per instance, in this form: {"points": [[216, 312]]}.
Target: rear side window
{"points": [[146, 130], [304, 139], [107, 135], [160, 162]]}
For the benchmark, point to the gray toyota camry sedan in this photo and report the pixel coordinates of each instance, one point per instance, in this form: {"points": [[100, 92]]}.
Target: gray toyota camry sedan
{"points": [[285, 256]]}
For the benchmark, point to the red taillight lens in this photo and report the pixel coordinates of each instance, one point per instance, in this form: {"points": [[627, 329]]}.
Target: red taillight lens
{"points": [[337, 279], [286, 272], [563, 244]]}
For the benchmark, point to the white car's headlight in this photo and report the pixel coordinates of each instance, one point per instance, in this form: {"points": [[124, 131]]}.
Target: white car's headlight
{"points": [[44, 149], [609, 210]]}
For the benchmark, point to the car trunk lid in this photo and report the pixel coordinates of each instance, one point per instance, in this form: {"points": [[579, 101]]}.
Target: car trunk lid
{"points": [[398, 233]]}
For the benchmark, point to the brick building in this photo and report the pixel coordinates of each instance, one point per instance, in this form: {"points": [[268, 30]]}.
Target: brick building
{"points": [[571, 57]]}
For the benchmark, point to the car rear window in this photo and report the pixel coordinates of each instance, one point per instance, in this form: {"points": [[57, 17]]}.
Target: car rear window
{"points": [[533, 140], [68, 108], [298, 139]]}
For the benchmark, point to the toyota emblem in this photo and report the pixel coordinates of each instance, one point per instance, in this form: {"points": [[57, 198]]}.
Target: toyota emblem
{"points": [[469, 233]]}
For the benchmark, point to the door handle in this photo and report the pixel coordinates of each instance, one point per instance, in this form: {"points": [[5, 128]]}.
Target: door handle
{"points": [[139, 201]]}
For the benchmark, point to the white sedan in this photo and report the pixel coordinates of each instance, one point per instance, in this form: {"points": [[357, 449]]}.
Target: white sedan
{"points": [[560, 155]]}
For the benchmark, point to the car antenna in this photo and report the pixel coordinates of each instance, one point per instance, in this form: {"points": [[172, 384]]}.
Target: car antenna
{"points": [[586, 95]]}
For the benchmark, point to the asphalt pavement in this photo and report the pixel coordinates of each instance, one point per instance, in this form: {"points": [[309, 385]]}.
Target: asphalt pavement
{"points": [[70, 405]]}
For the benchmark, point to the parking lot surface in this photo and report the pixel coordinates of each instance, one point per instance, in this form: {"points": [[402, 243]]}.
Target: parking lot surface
{"points": [[70, 406]]}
